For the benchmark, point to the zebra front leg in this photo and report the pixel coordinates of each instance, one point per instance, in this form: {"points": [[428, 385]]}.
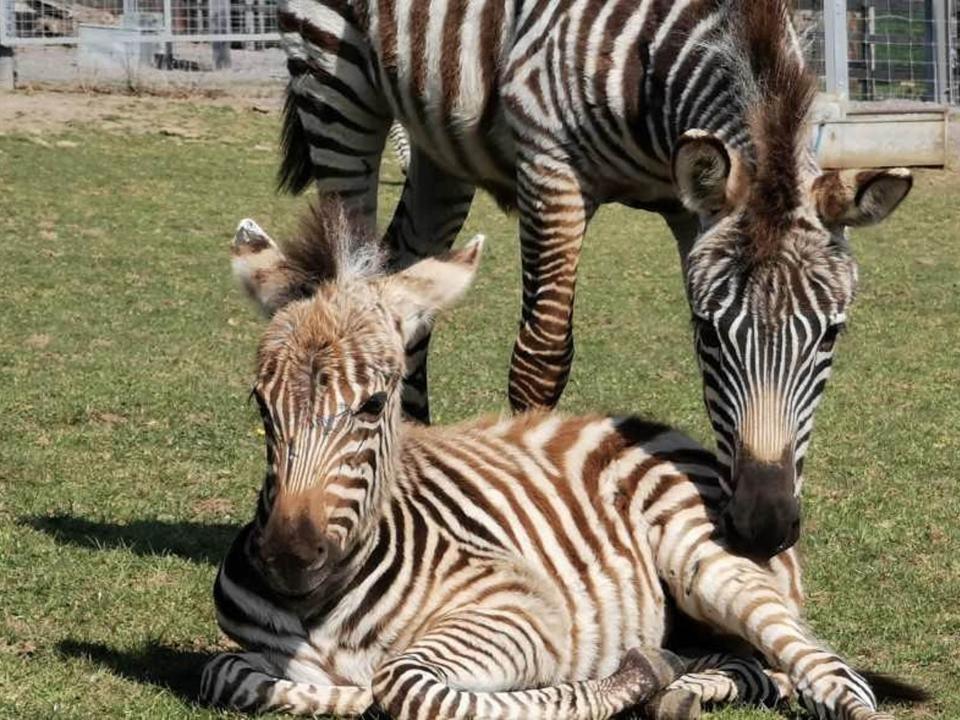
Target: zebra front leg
{"points": [[249, 683], [554, 212], [426, 221], [738, 596]]}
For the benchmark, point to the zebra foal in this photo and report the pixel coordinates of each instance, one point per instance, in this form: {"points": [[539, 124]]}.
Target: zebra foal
{"points": [[502, 568]]}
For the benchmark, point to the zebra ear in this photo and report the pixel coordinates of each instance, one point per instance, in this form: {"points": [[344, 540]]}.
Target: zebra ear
{"points": [[701, 168], [417, 294], [860, 197], [260, 268]]}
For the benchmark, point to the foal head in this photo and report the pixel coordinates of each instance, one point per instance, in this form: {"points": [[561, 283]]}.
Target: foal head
{"points": [[328, 381]]}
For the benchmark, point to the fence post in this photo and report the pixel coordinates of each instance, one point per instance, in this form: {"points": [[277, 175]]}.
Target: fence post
{"points": [[7, 66], [941, 22], [8, 74], [220, 25], [953, 65], [168, 31], [835, 47]]}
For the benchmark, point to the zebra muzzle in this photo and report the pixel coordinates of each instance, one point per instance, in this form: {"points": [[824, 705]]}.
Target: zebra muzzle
{"points": [[762, 518]]}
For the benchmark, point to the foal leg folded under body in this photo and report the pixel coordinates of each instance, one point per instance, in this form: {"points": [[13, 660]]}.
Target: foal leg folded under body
{"points": [[248, 682], [434, 680]]}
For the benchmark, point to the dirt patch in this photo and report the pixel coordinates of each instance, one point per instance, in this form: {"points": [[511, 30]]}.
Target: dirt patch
{"points": [[43, 112]]}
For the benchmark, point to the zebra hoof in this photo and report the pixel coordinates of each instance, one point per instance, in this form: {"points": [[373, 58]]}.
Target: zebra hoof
{"points": [[646, 671], [251, 236], [673, 704]]}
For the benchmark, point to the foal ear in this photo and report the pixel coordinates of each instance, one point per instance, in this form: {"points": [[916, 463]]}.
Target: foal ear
{"points": [[417, 294], [860, 197], [261, 268], [701, 170]]}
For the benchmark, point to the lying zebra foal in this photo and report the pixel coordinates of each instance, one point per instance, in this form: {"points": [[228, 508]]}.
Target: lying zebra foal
{"points": [[502, 568]]}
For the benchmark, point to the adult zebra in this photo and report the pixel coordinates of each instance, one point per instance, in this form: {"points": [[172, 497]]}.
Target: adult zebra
{"points": [[693, 108], [500, 569]]}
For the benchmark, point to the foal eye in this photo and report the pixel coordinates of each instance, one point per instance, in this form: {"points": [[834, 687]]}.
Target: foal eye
{"points": [[373, 405], [829, 338]]}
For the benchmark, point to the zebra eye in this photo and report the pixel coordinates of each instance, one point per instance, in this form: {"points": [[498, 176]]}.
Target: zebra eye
{"points": [[707, 333], [373, 405], [829, 338]]}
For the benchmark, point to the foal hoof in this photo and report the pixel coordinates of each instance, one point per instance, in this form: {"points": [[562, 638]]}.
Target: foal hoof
{"points": [[646, 671], [673, 704]]}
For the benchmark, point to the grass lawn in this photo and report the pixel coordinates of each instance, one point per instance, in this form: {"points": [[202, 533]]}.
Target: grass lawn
{"points": [[129, 454]]}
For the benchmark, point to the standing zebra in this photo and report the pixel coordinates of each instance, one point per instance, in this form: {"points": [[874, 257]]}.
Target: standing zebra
{"points": [[694, 109], [501, 568]]}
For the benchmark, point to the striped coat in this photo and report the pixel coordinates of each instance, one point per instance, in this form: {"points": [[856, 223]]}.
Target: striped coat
{"points": [[520, 567], [692, 108]]}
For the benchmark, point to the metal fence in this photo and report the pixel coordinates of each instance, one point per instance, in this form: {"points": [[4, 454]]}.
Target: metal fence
{"points": [[884, 49], [861, 49]]}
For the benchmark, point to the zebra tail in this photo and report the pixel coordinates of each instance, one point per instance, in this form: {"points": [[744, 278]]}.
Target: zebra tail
{"points": [[888, 688], [295, 171]]}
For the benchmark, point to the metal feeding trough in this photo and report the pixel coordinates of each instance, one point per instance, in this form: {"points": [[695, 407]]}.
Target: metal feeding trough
{"points": [[892, 133]]}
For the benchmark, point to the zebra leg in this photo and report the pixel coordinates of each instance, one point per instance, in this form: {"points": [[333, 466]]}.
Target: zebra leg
{"points": [[426, 683], [401, 146], [247, 682], [336, 118], [431, 211], [740, 597], [554, 212], [713, 680], [723, 679]]}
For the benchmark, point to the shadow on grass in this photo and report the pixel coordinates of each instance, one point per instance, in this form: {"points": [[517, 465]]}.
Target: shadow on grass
{"points": [[196, 541], [174, 669]]}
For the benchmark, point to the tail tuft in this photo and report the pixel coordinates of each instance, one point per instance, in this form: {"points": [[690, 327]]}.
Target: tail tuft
{"points": [[891, 689], [296, 171]]}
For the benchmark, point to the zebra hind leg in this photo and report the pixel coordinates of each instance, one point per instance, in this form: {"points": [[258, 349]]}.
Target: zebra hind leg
{"points": [[246, 682], [426, 221], [414, 686], [334, 127], [718, 679]]}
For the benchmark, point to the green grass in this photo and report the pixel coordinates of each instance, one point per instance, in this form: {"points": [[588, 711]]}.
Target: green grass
{"points": [[129, 454]]}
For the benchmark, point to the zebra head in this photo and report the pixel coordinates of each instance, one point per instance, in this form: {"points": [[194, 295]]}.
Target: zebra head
{"points": [[328, 381], [770, 279]]}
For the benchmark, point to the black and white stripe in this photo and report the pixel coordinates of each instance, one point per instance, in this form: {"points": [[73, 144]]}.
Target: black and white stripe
{"points": [[512, 567], [559, 106]]}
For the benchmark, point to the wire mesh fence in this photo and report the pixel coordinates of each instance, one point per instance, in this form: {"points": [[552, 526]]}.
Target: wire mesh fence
{"points": [[895, 49], [863, 49], [143, 42], [26, 22]]}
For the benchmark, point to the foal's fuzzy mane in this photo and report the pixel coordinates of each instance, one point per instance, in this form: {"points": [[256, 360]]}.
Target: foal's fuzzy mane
{"points": [[333, 245]]}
